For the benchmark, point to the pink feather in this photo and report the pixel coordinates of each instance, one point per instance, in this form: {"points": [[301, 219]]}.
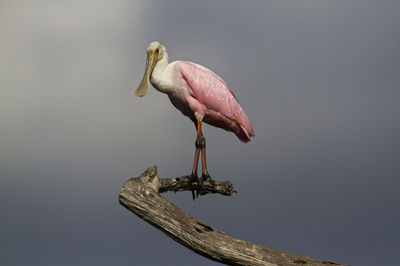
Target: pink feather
{"points": [[211, 97]]}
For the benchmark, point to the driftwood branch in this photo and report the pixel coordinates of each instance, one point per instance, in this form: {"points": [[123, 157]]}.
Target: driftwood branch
{"points": [[141, 196], [182, 184]]}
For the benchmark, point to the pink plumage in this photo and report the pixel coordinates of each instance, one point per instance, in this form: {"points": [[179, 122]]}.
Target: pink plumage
{"points": [[201, 95], [210, 98]]}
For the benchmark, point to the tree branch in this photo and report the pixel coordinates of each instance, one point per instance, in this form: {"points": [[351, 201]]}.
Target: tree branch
{"points": [[182, 184], [141, 196]]}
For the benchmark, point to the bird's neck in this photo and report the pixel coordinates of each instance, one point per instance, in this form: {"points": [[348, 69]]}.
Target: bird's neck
{"points": [[158, 76], [161, 64]]}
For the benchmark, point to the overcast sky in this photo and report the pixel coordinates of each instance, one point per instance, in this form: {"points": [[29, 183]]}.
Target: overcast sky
{"points": [[320, 81]]}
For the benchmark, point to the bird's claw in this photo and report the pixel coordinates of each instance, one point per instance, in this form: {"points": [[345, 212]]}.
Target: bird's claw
{"points": [[206, 177], [193, 178], [200, 184]]}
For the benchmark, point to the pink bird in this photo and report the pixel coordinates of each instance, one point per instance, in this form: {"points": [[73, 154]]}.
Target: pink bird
{"points": [[199, 94]]}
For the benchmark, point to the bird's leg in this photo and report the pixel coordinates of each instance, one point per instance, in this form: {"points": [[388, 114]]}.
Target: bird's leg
{"points": [[195, 163], [197, 144], [194, 176], [204, 175]]}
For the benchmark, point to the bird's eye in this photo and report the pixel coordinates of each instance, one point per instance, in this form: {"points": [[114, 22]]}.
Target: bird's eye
{"points": [[157, 50]]}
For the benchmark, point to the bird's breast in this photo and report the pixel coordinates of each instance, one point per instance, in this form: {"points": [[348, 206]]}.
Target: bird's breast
{"points": [[166, 80], [180, 102]]}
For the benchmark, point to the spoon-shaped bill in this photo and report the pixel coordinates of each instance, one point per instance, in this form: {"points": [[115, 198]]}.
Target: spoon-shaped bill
{"points": [[144, 85]]}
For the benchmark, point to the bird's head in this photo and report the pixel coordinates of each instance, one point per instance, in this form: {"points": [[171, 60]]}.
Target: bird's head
{"points": [[155, 52]]}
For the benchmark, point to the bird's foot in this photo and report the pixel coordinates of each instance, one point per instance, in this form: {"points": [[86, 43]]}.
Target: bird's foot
{"points": [[193, 178], [200, 184], [206, 177]]}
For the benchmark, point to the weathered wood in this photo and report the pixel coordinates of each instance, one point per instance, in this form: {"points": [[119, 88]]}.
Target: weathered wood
{"points": [[182, 184], [141, 196]]}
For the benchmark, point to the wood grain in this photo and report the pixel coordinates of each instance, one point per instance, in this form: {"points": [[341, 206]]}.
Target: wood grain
{"points": [[141, 196]]}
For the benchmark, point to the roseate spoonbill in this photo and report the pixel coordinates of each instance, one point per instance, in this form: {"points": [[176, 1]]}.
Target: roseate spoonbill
{"points": [[199, 94]]}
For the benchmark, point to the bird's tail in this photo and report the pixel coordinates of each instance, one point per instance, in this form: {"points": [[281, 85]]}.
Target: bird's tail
{"points": [[244, 129], [243, 134]]}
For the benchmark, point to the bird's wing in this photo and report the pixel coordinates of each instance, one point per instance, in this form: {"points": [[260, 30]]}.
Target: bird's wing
{"points": [[209, 89]]}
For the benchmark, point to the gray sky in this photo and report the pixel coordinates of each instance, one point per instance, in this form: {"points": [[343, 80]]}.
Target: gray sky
{"points": [[318, 79]]}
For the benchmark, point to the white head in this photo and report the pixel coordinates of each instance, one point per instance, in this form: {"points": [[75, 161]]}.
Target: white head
{"points": [[155, 52]]}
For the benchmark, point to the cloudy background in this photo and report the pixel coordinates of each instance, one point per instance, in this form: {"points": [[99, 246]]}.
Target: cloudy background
{"points": [[320, 81]]}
